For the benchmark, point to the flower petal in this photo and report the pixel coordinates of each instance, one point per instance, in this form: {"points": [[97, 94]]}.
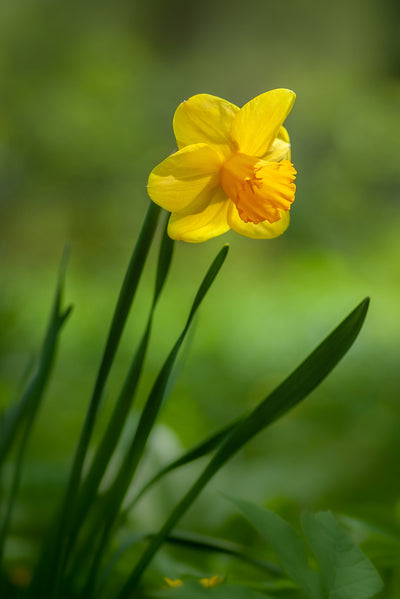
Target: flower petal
{"points": [[185, 181], [210, 222], [257, 124], [205, 118], [264, 230], [280, 148]]}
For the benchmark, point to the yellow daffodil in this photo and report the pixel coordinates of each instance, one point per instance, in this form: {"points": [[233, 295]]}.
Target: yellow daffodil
{"points": [[232, 169]]}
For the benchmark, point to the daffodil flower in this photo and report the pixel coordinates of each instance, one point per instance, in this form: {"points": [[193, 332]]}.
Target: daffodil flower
{"points": [[232, 169]]}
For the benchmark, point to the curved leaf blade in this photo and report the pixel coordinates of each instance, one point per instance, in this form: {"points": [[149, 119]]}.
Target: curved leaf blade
{"points": [[52, 560], [117, 491], [16, 416], [112, 433], [195, 453], [288, 394]]}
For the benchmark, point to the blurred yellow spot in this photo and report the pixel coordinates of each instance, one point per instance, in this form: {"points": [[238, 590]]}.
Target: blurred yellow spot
{"points": [[173, 583], [211, 582], [20, 576]]}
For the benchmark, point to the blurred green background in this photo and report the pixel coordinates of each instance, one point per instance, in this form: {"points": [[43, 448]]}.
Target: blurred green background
{"points": [[88, 94]]}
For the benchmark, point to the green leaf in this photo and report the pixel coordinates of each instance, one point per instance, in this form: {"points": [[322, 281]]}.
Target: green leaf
{"points": [[286, 543], [288, 394], [347, 572], [156, 396], [117, 491], [197, 542], [16, 417], [20, 419], [211, 544], [48, 571], [125, 399], [196, 452]]}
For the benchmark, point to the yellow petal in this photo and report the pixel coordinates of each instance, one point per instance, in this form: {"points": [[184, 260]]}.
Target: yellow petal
{"points": [[280, 148], [210, 222], [256, 125], [185, 181], [264, 230], [205, 118], [283, 135]]}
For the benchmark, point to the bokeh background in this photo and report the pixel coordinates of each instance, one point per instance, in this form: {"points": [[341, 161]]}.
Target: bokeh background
{"points": [[88, 91]]}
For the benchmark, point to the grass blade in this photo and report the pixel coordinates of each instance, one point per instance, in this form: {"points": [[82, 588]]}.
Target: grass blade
{"points": [[210, 544], [124, 402], [288, 394], [14, 418], [47, 574], [156, 396], [198, 451], [133, 456], [22, 416]]}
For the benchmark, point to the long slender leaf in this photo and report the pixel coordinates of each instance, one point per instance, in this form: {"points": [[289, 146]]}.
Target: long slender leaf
{"points": [[15, 484], [15, 418], [288, 394], [87, 495], [149, 414], [210, 544], [198, 451], [48, 572], [22, 416], [124, 402]]}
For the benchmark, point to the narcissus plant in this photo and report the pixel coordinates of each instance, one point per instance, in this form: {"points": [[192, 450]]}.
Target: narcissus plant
{"points": [[232, 169]]}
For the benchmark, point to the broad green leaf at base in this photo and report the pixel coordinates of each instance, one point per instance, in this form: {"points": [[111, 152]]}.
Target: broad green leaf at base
{"points": [[347, 572], [287, 545]]}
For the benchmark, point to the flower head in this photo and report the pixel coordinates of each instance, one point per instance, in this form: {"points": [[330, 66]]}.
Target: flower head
{"points": [[232, 169]]}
